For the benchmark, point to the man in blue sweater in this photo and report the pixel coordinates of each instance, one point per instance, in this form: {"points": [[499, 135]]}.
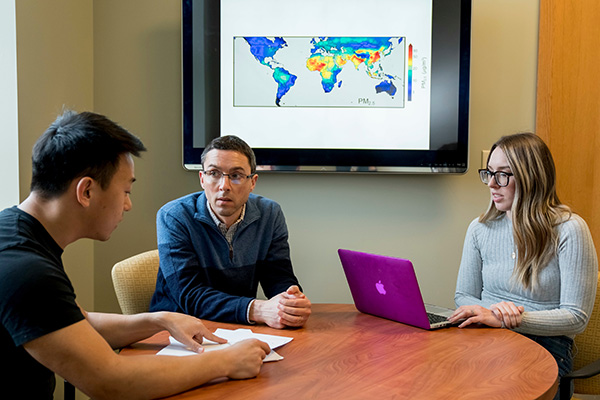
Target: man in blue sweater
{"points": [[216, 246]]}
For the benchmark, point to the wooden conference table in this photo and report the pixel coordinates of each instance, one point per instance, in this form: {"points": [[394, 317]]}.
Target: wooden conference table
{"points": [[344, 354]]}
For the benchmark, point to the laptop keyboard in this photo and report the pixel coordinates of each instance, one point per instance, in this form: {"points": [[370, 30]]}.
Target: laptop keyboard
{"points": [[434, 318]]}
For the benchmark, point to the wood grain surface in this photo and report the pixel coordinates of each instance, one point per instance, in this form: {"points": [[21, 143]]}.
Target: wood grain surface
{"points": [[344, 354]]}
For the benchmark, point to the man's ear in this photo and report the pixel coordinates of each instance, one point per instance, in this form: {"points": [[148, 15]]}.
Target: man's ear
{"points": [[253, 182], [201, 176], [84, 189]]}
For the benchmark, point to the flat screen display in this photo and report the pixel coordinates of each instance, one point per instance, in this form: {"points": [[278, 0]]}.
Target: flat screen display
{"points": [[336, 86]]}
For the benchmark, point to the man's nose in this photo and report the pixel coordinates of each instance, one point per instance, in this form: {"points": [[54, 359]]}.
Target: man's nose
{"points": [[225, 182], [128, 203]]}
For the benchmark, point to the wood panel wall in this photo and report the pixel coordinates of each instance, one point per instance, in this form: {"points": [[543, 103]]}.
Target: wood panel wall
{"points": [[568, 101]]}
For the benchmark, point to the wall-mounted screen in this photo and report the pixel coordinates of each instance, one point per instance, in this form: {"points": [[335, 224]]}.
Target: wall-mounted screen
{"points": [[335, 86]]}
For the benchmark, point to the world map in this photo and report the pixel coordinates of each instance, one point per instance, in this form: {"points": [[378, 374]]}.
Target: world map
{"points": [[350, 71]]}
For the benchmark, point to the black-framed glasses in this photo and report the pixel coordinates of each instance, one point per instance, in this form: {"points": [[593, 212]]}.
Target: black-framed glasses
{"points": [[501, 177], [236, 178]]}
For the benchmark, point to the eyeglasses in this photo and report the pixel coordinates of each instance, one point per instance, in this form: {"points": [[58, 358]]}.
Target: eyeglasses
{"points": [[236, 178], [501, 177]]}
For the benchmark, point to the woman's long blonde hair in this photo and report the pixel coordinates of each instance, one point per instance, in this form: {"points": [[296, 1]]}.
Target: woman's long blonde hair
{"points": [[536, 209]]}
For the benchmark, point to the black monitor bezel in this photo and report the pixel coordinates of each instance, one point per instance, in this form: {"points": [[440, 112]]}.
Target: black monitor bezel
{"points": [[452, 158]]}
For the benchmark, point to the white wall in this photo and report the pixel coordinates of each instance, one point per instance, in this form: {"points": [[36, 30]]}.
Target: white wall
{"points": [[137, 82], [55, 70], [9, 139]]}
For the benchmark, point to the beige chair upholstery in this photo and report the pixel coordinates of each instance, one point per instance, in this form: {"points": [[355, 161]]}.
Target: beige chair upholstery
{"points": [[134, 280], [587, 353]]}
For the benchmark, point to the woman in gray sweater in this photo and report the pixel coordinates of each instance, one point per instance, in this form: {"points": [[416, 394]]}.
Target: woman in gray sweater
{"points": [[528, 263]]}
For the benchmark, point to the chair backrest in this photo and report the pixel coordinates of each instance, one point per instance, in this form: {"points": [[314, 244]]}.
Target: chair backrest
{"points": [[587, 350], [134, 280]]}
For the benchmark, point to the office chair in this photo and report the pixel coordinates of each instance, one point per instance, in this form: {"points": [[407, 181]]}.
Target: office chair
{"points": [[134, 280], [586, 364]]}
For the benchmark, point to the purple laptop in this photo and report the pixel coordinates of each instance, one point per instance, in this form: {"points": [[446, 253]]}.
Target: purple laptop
{"points": [[387, 287]]}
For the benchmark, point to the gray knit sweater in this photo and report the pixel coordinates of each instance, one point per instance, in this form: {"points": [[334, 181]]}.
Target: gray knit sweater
{"points": [[563, 302]]}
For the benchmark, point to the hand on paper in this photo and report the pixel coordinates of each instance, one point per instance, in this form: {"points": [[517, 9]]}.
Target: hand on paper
{"points": [[246, 358], [189, 330]]}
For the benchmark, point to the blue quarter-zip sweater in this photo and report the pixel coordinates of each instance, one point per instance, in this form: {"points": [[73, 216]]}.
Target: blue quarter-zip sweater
{"points": [[200, 276]]}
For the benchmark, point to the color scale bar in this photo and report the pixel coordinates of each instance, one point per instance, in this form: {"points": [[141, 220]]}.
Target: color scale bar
{"points": [[410, 60]]}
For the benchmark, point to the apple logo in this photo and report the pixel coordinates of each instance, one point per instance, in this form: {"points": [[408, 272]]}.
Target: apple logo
{"points": [[380, 287]]}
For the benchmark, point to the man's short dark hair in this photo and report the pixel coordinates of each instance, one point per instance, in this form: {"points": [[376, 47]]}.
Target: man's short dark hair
{"points": [[77, 145], [233, 143]]}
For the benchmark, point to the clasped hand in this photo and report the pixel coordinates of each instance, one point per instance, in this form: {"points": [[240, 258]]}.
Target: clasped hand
{"points": [[290, 308], [499, 315]]}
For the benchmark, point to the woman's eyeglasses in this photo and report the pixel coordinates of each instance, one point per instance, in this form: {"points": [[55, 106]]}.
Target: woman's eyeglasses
{"points": [[501, 177]]}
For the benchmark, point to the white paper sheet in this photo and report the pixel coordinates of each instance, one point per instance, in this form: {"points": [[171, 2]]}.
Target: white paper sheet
{"points": [[176, 348]]}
